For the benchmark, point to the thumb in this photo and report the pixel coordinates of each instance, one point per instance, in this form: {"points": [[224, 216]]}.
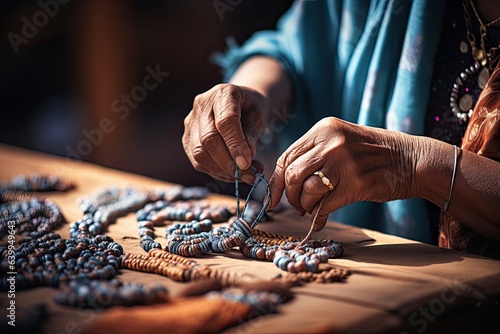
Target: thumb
{"points": [[320, 222], [320, 217]]}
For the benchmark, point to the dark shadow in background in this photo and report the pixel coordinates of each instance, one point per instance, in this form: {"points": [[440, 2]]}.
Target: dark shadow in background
{"points": [[66, 68]]}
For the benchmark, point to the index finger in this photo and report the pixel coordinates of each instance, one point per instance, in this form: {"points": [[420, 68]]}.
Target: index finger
{"points": [[227, 116]]}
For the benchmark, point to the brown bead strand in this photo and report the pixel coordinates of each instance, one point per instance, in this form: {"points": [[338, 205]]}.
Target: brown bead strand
{"points": [[170, 257], [271, 235], [143, 263], [273, 238], [181, 269]]}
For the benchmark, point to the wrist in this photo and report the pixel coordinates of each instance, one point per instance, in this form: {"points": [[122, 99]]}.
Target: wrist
{"points": [[265, 76], [401, 177], [434, 169]]}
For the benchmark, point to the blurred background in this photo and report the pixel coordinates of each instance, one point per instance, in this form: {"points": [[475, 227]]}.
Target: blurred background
{"points": [[110, 81]]}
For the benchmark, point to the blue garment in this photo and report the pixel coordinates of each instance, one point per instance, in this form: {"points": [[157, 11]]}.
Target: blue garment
{"points": [[368, 62]]}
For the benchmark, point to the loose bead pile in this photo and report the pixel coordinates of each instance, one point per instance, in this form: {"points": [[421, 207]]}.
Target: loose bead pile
{"points": [[51, 260], [99, 294]]}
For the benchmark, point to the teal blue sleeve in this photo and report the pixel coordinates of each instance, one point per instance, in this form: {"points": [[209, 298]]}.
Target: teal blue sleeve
{"points": [[304, 43]]}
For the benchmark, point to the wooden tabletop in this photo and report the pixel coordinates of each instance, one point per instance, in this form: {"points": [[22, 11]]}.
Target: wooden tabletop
{"points": [[397, 285]]}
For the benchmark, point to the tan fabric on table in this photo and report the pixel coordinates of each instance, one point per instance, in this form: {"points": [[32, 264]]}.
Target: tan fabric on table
{"points": [[191, 315], [482, 137]]}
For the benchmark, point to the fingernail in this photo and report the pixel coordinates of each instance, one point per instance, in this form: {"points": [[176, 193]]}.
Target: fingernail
{"points": [[241, 162]]}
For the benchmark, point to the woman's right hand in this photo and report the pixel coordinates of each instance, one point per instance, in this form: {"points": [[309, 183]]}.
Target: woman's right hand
{"points": [[223, 128]]}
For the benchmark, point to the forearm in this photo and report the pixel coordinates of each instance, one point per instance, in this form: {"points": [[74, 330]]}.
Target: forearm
{"points": [[475, 200], [265, 75]]}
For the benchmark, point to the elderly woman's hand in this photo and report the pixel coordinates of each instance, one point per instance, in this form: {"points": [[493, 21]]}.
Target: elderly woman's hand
{"points": [[222, 128], [362, 163]]}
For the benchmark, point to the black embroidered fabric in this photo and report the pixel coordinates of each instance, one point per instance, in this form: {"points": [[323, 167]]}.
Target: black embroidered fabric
{"points": [[441, 123]]}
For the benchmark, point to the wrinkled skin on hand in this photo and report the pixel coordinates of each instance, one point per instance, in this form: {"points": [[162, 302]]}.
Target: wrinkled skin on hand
{"points": [[223, 128], [363, 163]]}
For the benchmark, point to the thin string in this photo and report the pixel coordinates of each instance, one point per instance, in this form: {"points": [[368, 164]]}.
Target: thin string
{"points": [[237, 190], [313, 225], [260, 179], [267, 200]]}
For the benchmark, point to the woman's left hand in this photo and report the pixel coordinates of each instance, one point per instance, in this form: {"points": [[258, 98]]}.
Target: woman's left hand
{"points": [[362, 163]]}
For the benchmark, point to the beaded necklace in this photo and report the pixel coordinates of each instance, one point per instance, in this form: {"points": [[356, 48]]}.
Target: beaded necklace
{"points": [[461, 99]]}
